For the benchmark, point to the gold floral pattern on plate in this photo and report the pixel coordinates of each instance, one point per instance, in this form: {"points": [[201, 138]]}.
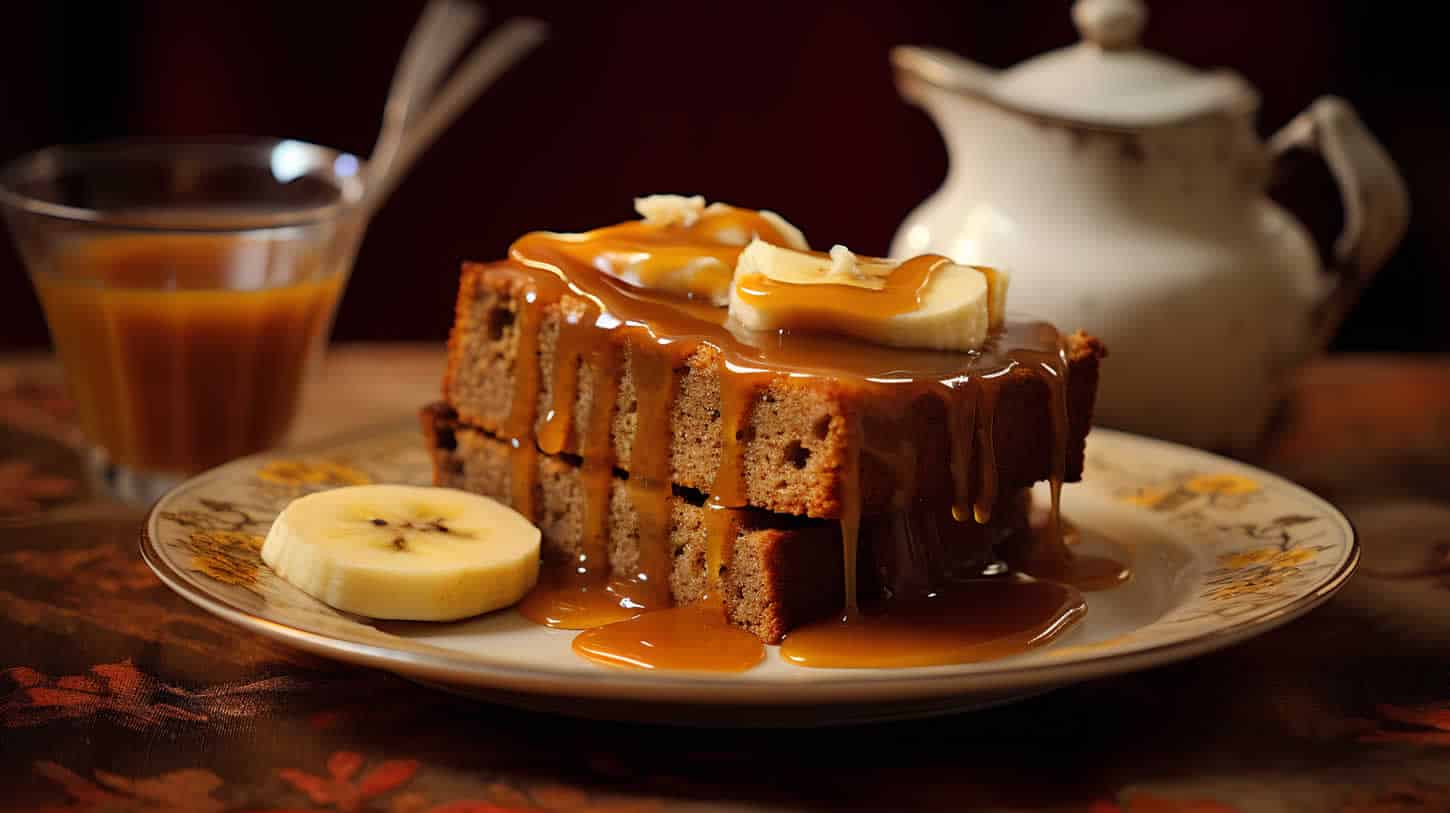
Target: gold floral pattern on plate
{"points": [[227, 556], [1221, 551], [1270, 552]]}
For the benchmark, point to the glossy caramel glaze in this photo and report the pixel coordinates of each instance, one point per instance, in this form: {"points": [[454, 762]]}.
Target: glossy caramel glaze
{"points": [[597, 471], [578, 598], [699, 256], [902, 293], [720, 525], [655, 330], [1045, 551], [656, 382], [517, 430], [971, 621], [695, 637]]}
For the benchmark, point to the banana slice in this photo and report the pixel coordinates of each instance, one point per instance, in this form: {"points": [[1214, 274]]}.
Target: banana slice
{"points": [[405, 552], [927, 302]]}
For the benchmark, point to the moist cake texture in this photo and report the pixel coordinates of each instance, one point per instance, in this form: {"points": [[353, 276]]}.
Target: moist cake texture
{"points": [[781, 572]]}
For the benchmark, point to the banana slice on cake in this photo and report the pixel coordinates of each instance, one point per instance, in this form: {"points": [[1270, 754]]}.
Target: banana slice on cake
{"points": [[927, 302], [405, 552]]}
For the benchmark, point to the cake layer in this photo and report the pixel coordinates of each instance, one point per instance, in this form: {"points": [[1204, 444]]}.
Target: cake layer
{"points": [[798, 434], [778, 572]]}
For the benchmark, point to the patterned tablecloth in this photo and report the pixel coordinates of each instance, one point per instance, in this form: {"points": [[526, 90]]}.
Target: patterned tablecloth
{"points": [[115, 695]]}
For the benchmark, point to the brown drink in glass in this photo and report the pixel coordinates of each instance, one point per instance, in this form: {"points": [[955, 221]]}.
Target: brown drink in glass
{"points": [[188, 289]]}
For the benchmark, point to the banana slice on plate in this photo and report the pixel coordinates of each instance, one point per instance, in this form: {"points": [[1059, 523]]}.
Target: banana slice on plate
{"points": [[409, 553]]}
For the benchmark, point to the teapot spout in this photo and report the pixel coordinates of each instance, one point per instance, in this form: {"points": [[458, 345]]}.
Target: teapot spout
{"points": [[920, 70]]}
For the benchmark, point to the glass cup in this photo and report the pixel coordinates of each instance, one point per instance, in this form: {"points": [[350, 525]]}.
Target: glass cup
{"points": [[188, 288]]}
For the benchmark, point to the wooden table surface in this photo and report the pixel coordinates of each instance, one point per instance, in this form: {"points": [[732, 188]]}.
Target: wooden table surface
{"points": [[116, 695]]}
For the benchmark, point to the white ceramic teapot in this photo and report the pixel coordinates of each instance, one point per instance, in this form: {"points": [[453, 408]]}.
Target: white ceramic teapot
{"points": [[1126, 194]]}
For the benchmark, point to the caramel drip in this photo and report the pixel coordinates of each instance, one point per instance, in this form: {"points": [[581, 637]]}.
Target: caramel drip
{"points": [[962, 425], [1045, 552], [597, 449], [994, 279], [1057, 385], [655, 387], [1052, 367], [903, 292], [850, 520], [518, 429], [737, 394], [576, 332], [720, 534], [988, 391]]}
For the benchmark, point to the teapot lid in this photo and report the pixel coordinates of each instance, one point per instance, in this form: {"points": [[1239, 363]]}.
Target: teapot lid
{"points": [[1107, 79]]}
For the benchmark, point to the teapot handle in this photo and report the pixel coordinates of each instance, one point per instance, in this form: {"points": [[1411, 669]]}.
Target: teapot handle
{"points": [[1376, 204]]}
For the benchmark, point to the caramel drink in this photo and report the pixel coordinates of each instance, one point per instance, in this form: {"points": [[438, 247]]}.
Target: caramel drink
{"points": [[188, 288], [178, 353]]}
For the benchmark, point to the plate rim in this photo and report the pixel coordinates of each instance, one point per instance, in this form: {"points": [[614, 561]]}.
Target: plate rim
{"points": [[456, 668]]}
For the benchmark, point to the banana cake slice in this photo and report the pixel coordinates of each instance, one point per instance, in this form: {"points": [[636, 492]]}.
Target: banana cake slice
{"points": [[795, 436]]}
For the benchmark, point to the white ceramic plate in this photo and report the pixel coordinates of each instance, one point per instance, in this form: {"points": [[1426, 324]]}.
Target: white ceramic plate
{"points": [[1221, 551]]}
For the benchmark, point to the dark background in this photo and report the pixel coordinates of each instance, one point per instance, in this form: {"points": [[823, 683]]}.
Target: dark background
{"points": [[731, 100]]}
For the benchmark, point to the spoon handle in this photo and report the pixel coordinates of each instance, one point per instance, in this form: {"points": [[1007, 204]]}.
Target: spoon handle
{"points": [[441, 32], [417, 131]]}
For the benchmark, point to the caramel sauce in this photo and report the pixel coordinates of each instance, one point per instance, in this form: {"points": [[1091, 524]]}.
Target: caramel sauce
{"points": [[971, 621], [962, 413], [695, 637], [720, 533], [660, 257], [737, 395], [902, 293], [576, 598], [569, 353], [851, 523], [987, 450], [1045, 551], [655, 386], [518, 429], [1087, 573], [1054, 368], [597, 448], [658, 332]]}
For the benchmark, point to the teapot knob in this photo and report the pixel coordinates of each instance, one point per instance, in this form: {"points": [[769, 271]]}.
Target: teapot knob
{"points": [[1110, 24]]}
